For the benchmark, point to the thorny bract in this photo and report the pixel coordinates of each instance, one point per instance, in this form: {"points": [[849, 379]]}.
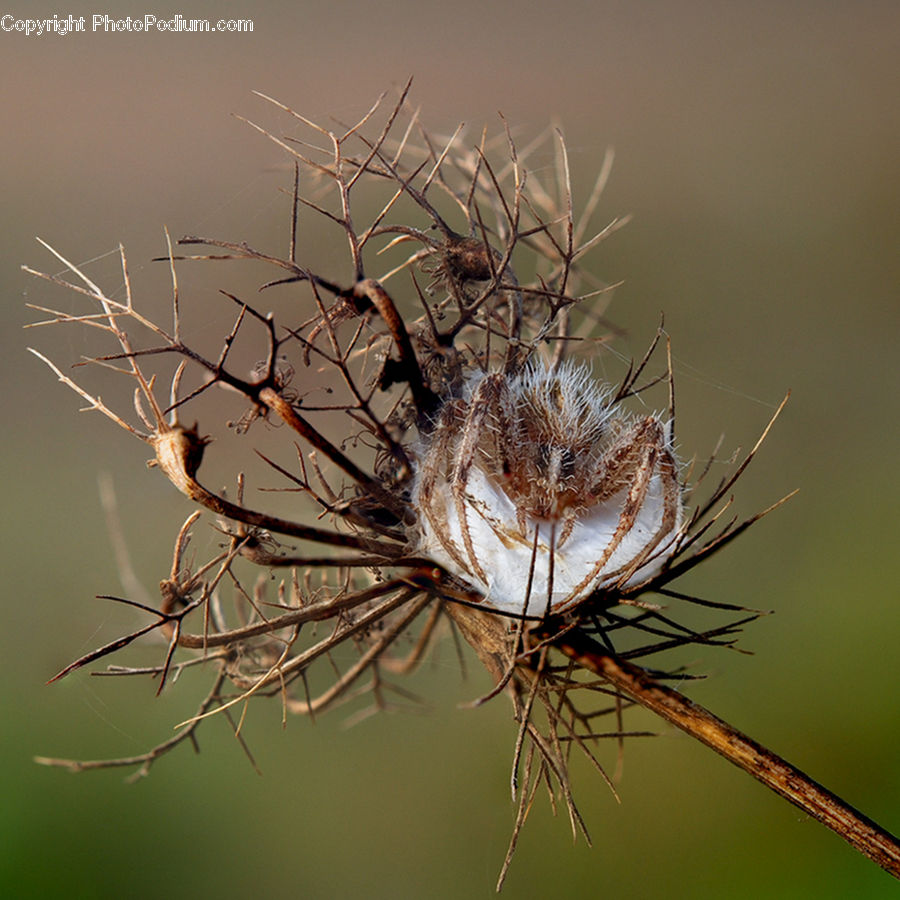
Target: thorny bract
{"points": [[470, 473]]}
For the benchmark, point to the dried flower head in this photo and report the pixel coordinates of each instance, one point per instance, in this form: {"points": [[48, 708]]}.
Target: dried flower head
{"points": [[471, 474]]}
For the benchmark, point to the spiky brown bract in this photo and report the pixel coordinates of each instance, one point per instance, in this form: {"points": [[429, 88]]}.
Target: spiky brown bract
{"points": [[399, 353]]}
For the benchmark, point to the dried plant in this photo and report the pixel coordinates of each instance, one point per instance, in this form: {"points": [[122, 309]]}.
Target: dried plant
{"points": [[465, 472]]}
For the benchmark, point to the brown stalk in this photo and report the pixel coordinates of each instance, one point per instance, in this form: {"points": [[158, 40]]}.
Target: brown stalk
{"points": [[775, 773], [425, 399]]}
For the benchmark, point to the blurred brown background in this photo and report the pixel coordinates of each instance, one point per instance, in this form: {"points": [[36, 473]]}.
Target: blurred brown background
{"points": [[757, 149]]}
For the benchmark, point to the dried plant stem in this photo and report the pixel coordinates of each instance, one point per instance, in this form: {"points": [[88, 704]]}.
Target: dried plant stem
{"points": [[146, 760], [780, 776]]}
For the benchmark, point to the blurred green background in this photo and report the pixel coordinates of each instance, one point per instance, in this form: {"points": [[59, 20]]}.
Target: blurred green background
{"points": [[757, 147]]}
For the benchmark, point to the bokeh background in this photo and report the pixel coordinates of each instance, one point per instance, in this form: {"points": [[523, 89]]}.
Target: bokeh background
{"points": [[756, 146]]}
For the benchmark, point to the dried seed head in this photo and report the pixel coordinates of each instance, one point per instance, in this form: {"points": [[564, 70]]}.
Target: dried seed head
{"points": [[532, 487], [536, 490]]}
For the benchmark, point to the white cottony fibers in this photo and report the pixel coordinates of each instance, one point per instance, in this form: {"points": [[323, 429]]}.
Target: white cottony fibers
{"points": [[504, 552], [536, 491]]}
